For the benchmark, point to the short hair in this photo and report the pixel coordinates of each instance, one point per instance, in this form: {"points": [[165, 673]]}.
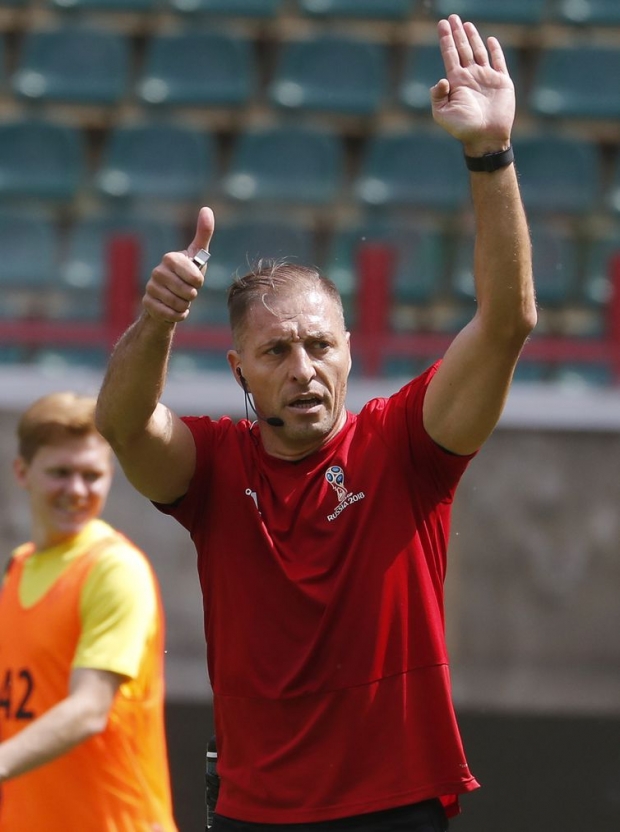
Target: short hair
{"points": [[270, 278], [53, 419]]}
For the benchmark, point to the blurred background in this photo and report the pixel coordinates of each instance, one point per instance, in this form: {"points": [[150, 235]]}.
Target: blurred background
{"points": [[306, 125]]}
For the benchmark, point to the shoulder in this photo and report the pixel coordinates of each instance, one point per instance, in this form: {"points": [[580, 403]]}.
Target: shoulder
{"points": [[119, 562]]}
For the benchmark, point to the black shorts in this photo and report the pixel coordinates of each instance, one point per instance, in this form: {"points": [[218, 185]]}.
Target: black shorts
{"points": [[427, 816]]}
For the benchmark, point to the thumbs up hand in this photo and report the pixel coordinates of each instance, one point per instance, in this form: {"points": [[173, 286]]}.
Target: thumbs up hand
{"points": [[176, 281]]}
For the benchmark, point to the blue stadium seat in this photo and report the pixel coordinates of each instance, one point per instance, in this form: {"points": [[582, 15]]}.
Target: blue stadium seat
{"points": [[230, 8], [156, 161], [597, 277], [583, 375], [556, 265], [588, 12], [59, 360], [372, 9], [419, 258], [331, 73], [236, 246], [40, 159], [421, 169], [495, 11], [574, 81], [197, 68], [423, 67], [243, 241], [83, 268], [29, 246], [286, 163], [73, 64], [557, 173], [29, 251], [118, 6]]}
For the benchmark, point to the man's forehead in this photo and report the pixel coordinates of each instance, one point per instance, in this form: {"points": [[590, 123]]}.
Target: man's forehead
{"points": [[312, 309]]}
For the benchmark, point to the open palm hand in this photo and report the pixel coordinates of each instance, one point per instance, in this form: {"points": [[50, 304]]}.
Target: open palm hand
{"points": [[475, 102]]}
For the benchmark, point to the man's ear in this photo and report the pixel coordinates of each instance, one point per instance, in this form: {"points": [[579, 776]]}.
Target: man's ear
{"points": [[20, 469], [233, 359]]}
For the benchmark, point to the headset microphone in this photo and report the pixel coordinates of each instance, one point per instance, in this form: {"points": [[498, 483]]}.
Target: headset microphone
{"points": [[274, 421]]}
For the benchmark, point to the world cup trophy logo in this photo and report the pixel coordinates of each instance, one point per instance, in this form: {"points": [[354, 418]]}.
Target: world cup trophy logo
{"points": [[335, 477]]}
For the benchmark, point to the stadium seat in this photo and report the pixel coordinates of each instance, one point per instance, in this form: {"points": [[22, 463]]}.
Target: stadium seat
{"points": [[574, 81], [286, 163], [330, 73], [242, 242], [495, 11], [40, 159], [119, 6], [83, 268], [423, 67], [557, 174], [588, 12], [59, 360], [29, 246], [419, 258], [583, 375], [235, 247], [374, 9], [156, 160], [597, 278], [230, 8], [73, 64], [555, 259], [197, 68], [421, 168]]}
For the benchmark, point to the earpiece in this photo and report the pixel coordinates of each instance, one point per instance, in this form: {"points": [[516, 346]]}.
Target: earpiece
{"points": [[242, 379]]}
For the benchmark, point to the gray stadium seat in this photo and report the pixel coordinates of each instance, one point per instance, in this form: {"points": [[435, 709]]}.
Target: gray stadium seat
{"points": [[73, 64], [330, 73], [496, 11], [373, 9], [156, 161], [423, 169], [576, 81], [557, 173], [292, 164], [41, 160], [197, 68]]}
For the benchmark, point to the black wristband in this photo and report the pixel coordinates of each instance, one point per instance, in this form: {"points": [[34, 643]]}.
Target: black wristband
{"points": [[490, 161]]}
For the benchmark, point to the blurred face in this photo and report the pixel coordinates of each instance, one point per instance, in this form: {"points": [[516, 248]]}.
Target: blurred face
{"points": [[295, 358], [67, 484]]}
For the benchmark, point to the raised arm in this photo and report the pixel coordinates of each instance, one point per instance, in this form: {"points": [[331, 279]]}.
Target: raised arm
{"points": [[153, 446], [476, 104]]}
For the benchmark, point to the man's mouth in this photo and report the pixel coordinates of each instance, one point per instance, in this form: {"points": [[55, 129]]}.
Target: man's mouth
{"points": [[305, 403]]}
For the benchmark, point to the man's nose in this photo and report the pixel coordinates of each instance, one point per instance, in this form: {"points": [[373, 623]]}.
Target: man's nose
{"points": [[302, 367], [76, 484]]}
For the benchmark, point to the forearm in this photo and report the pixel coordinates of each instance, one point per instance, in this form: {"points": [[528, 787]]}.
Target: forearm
{"points": [[502, 255], [55, 733], [134, 381]]}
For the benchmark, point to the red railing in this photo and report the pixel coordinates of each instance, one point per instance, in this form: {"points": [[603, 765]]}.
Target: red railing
{"points": [[374, 341]]}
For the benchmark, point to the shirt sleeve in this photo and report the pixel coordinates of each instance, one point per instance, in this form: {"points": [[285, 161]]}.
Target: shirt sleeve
{"points": [[401, 417], [118, 608]]}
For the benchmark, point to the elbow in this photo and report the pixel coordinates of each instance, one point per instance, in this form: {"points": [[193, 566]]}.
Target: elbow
{"points": [[102, 423], [528, 320], [94, 722]]}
